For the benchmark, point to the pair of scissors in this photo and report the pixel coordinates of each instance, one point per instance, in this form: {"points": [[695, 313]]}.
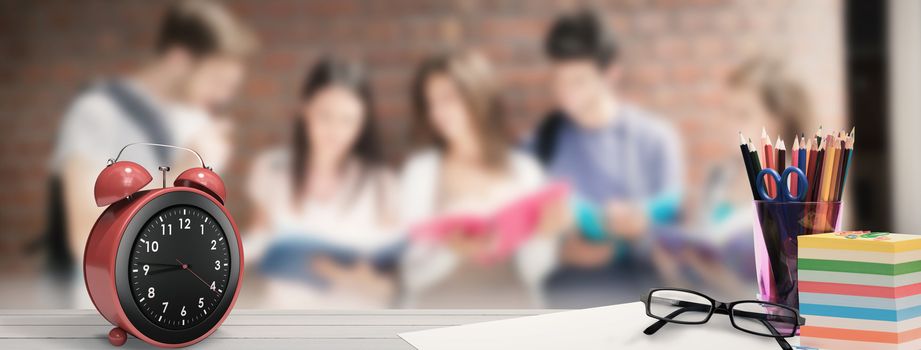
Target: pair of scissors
{"points": [[783, 191]]}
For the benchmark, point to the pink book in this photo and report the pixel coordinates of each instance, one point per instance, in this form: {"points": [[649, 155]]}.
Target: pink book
{"points": [[511, 225]]}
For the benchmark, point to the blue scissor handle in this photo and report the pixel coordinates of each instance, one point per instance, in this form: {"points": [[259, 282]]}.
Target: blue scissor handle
{"points": [[783, 194]]}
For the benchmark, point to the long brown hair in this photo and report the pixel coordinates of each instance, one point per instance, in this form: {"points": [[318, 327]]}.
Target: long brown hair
{"points": [[782, 96], [326, 73], [474, 78]]}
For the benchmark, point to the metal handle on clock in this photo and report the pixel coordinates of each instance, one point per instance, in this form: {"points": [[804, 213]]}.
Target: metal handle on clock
{"points": [[202, 161]]}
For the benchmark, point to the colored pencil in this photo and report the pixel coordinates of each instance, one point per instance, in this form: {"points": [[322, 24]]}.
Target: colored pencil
{"points": [[823, 158], [835, 167], [756, 164], [817, 174], [801, 161], [768, 160], [848, 152], [802, 154], [780, 160], [795, 161], [810, 168], [746, 158], [780, 164], [826, 169], [836, 189], [805, 143], [839, 166]]}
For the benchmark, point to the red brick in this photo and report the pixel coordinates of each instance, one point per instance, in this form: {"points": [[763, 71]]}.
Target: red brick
{"points": [[511, 28]]}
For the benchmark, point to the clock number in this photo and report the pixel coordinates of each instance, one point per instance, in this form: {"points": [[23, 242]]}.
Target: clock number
{"points": [[213, 287], [217, 264], [151, 293], [152, 246], [165, 304], [182, 312], [202, 229], [146, 269], [184, 223], [201, 303], [166, 229], [213, 245]]}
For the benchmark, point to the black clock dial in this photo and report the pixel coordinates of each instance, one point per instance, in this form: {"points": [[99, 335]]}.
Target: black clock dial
{"points": [[179, 267]]}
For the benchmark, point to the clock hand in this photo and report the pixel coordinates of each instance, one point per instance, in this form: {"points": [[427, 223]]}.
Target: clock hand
{"points": [[186, 267], [168, 269], [159, 264]]}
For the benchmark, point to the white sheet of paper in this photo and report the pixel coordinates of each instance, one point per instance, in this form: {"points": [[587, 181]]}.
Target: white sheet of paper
{"points": [[616, 327]]}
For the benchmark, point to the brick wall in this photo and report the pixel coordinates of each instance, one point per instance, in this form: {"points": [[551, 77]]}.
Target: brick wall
{"points": [[676, 55]]}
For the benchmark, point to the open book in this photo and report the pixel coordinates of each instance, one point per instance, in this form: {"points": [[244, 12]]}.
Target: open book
{"points": [[510, 226], [291, 257]]}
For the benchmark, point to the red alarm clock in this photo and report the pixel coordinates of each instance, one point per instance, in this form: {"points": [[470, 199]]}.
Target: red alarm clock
{"points": [[164, 265]]}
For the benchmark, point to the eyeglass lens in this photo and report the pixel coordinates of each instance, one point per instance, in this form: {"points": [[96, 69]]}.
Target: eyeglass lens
{"points": [[679, 306], [764, 319]]}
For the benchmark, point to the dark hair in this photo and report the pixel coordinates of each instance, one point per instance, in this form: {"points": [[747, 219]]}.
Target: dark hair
{"points": [[204, 28], [474, 78], [329, 72], [581, 35], [783, 96]]}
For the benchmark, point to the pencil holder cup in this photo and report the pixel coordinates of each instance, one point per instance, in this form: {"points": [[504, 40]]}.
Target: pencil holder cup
{"points": [[776, 227]]}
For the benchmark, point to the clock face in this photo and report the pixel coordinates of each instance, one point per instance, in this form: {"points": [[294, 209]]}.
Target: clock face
{"points": [[180, 266]]}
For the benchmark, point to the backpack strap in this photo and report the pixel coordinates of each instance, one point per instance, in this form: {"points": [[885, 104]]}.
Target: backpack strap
{"points": [[146, 117], [546, 137]]}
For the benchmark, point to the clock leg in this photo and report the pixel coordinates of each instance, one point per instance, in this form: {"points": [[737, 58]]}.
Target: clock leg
{"points": [[117, 336]]}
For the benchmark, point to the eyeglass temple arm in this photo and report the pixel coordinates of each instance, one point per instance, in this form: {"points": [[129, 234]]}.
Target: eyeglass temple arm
{"points": [[766, 317], [779, 338], [652, 329], [655, 327]]}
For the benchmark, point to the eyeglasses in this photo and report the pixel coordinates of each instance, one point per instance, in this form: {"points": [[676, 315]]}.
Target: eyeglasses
{"points": [[750, 316]]}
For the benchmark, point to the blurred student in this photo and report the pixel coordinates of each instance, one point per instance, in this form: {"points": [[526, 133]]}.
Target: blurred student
{"points": [[328, 187], [196, 67], [762, 93], [468, 167], [618, 157]]}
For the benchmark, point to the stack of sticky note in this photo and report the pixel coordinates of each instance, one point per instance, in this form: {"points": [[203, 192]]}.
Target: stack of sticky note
{"points": [[860, 290]]}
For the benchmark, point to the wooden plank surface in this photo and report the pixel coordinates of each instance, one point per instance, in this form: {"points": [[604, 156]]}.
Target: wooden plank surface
{"points": [[247, 329]]}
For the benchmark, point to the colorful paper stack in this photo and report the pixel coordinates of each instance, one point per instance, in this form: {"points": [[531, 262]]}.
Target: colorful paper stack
{"points": [[860, 290]]}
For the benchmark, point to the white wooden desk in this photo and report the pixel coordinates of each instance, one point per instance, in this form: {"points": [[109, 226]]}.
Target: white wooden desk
{"points": [[246, 329]]}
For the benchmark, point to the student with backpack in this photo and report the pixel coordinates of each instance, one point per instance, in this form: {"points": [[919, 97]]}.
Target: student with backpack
{"points": [[196, 67]]}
